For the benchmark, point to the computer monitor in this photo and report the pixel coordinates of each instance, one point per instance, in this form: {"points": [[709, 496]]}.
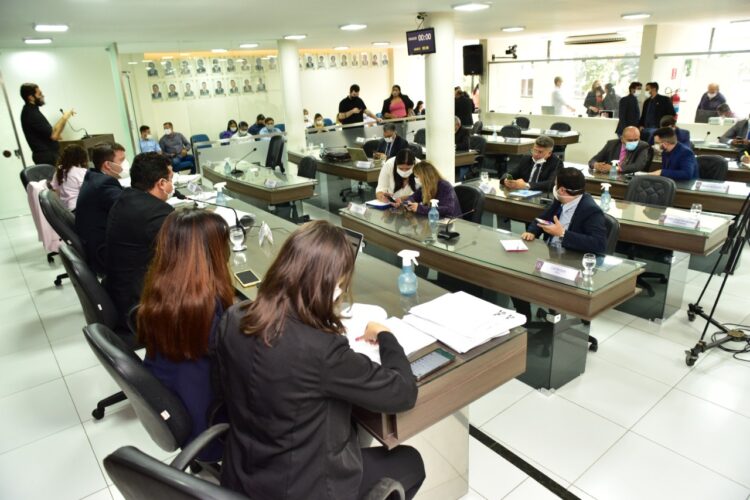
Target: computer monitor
{"points": [[548, 110]]}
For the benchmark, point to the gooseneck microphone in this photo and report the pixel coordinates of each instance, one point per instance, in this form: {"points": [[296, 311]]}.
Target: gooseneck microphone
{"points": [[85, 132], [181, 196], [237, 171], [705, 139]]}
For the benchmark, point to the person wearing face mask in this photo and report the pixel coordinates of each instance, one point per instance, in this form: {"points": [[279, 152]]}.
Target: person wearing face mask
{"points": [[230, 131], [593, 100], [709, 103], [396, 179], [431, 186], [677, 160], [289, 380], [132, 225], [397, 105], [629, 113], [147, 142], [40, 135], [632, 154], [175, 146], [69, 175], [99, 192], [243, 133], [391, 143], [683, 135], [655, 107], [318, 125], [536, 171]]}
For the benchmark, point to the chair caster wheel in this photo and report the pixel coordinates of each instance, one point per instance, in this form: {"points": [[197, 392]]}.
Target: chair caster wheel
{"points": [[690, 358], [594, 347], [98, 413], [58, 282], [691, 316], [195, 467]]}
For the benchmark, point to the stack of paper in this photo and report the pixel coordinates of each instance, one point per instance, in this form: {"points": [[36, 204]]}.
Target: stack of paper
{"points": [[462, 321]]}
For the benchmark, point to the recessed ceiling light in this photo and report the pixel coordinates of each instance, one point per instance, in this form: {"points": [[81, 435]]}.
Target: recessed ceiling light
{"points": [[471, 7], [636, 15], [248, 45], [353, 27], [381, 44], [37, 41], [51, 28], [132, 63], [513, 29], [295, 37], [218, 51], [342, 47]]}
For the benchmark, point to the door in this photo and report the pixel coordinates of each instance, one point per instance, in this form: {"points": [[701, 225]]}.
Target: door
{"points": [[13, 201]]}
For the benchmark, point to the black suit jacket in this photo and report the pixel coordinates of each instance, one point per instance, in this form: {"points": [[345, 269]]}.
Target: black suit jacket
{"points": [[461, 139], [546, 180], [98, 193], [663, 108], [132, 226], [291, 407], [635, 161], [587, 231], [628, 113], [398, 144]]}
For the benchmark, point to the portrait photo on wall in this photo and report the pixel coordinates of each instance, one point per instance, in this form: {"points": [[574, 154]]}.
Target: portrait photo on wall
{"points": [[151, 70], [272, 63], [168, 68], [247, 87], [321, 64], [332, 61], [309, 63], [354, 59], [244, 64], [185, 67], [231, 68], [374, 59], [261, 85], [219, 88], [216, 68], [384, 59], [188, 92], [156, 91], [233, 88], [344, 61], [204, 91], [172, 92], [200, 66], [258, 64]]}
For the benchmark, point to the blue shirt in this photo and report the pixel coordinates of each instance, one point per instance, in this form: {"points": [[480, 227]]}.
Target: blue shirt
{"points": [[150, 146], [679, 164]]}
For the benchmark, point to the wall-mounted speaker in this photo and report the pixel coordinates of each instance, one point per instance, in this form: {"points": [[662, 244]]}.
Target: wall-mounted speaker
{"points": [[473, 59]]}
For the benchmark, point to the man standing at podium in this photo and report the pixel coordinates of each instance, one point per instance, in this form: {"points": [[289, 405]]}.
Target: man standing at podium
{"points": [[40, 135]]}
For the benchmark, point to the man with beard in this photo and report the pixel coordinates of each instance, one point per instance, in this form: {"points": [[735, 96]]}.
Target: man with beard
{"points": [[40, 135]]}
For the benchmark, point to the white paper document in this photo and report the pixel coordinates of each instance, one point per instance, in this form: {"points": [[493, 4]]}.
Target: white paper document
{"points": [[228, 215], [378, 203]]}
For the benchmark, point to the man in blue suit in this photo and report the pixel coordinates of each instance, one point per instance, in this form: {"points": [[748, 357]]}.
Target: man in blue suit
{"points": [[575, 221], [683, 135], [629, 114], [677, 160]]}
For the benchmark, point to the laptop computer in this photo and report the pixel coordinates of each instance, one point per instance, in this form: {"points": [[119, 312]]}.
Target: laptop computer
{"points": [[358, 154], [355, 239]]}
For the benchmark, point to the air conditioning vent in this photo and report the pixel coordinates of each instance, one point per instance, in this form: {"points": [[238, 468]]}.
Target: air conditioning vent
{"points": [[594, 39]]}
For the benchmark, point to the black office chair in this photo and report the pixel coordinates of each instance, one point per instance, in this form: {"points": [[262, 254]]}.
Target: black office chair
{"points": [[512, 131], [36, 173], [274, 157], [62, 221], [307, 168], [562, 127], [477, 127], [97, 308], [141, 477], [420, 137], [523, 122], [712, 167], [470, 198], [479, 144], [650, 190], [370, 147], [417, 150], [160, 411]]}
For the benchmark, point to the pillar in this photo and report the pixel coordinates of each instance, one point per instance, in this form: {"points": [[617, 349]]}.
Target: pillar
{"points": [[291, 94], [648, 49], [439, 100]]}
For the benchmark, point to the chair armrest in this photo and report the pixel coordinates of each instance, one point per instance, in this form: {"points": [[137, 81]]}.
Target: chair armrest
{"points": [[384, 488], [188, 453]]}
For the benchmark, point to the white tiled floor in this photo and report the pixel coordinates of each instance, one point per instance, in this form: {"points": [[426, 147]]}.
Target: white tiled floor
{"points": [[638, 424]]}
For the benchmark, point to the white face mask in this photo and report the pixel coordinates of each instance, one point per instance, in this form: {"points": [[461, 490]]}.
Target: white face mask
{"points": [[337, 293], [319, 123], [167, 131], [388, 139], [711, 95], [657, 148], [125, 169], [233, 129], [404, 173], [242, 133]]}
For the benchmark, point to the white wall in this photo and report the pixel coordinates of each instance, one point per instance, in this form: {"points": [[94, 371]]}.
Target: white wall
{"points": [[79, 78]]}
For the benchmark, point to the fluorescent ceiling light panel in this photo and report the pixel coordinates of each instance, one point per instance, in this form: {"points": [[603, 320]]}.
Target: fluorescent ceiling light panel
{"points": [[218, 51], [37, 41], [513, 29], [295, 37], [353, 27], [635, 15], [381, 44], [342, 47], [51, 28], [471, 7], [248, 45]]}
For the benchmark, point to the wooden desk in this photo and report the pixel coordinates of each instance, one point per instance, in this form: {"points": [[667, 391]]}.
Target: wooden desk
{"points": [[730, 152], [738, 174], [499, 146], [478, 258], [471, 376], [639, 224], [291, 188], [465, 158]]}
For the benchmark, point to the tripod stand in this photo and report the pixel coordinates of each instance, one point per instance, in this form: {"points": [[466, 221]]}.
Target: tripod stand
{"points": [[739, 233]]}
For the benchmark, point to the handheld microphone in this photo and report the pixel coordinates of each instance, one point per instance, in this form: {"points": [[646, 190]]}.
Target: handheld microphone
{"points": [[237, 221], [85, 132], [236, 171]]}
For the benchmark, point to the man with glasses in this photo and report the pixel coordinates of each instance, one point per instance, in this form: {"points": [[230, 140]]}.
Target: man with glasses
{"points": [[536, 171], [132, 226]]}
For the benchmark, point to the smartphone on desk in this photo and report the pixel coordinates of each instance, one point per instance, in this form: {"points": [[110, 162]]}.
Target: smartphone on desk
{"points": [[430, 363], [247, 278]]}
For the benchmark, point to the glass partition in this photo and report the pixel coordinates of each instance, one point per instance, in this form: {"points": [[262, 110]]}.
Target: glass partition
{"points": [[354, 135], [241, 152]]}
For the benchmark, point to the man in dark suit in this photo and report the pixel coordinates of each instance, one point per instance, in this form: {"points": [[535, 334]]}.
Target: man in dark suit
{"points": [[683, 135], [628, 112], [654, 108], [132, 226], [99, 191], [632, 154], [738, 135], [677, 160], [464, 107], [391, 143], [538, 170], [461, 136]]}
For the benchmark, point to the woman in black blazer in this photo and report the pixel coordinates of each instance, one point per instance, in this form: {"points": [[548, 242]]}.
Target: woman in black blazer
{"points": [[397, 105], [289, 380]]}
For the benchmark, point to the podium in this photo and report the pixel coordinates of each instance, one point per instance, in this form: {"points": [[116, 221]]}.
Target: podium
{"points": [[89, 142]]}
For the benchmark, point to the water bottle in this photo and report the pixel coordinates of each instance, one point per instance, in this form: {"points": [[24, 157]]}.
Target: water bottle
{"points": [[515, 124], [221, 198], [433, 216], [407, 280], [494, 134], [606, 197], [613, 170]]}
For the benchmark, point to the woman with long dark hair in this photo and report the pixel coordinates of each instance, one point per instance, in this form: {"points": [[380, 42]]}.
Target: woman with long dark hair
{"points": [[230, 131], [432, 186], [69, 174], [187, 289], [396, 179], [397, 105], [289, 380]]}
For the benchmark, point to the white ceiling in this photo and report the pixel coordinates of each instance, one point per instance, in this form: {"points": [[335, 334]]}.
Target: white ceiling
{"points": [[167, 25]]}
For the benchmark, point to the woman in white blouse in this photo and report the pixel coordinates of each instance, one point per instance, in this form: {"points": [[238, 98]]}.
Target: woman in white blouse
{"points": [[396, 181], [69, 174]]}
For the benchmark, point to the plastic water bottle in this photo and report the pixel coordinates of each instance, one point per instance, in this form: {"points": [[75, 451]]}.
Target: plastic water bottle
{"points": [[407, 280], [221, 198], [515, 124], [613, 170], [433, 216], [606, 197]]}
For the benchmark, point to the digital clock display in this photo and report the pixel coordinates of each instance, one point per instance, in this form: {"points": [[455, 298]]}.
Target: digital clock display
{"points": [[420, 41]]}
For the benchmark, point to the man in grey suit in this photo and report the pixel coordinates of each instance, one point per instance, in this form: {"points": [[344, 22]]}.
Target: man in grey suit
{"points": [[737, 136], [633, 154]]}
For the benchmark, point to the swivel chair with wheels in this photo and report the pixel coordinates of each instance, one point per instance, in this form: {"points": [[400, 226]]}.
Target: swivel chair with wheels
{"points": [[275, 155], [522, 122], [712, 167], [479, 144], [561, 127], [307, 168], [62, 221], [420, 137], [470, 198]]}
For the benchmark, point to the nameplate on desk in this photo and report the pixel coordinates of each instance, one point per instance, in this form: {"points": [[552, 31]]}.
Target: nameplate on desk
{"points": [[557, 270], [360, 140], [487, 189], [358, 209], [271, 183], [363, 164], [512, 140], [712, 187], [550, 131], [679, 221]]}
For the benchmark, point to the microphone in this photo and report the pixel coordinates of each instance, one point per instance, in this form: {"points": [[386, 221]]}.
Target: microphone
{"points": [[237, 171], [446, 234], [237, 221], [85, 132], [706, 138]]}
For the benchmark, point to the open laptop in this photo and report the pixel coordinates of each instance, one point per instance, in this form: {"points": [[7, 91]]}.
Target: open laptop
{"points": [[355, 239], [357, 154]]}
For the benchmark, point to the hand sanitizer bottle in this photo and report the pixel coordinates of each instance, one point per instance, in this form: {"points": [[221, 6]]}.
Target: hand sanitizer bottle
{"points": [[613, 170], [407, 280], [221, 198], [606, 197], [433, 216], [227, 167]]}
